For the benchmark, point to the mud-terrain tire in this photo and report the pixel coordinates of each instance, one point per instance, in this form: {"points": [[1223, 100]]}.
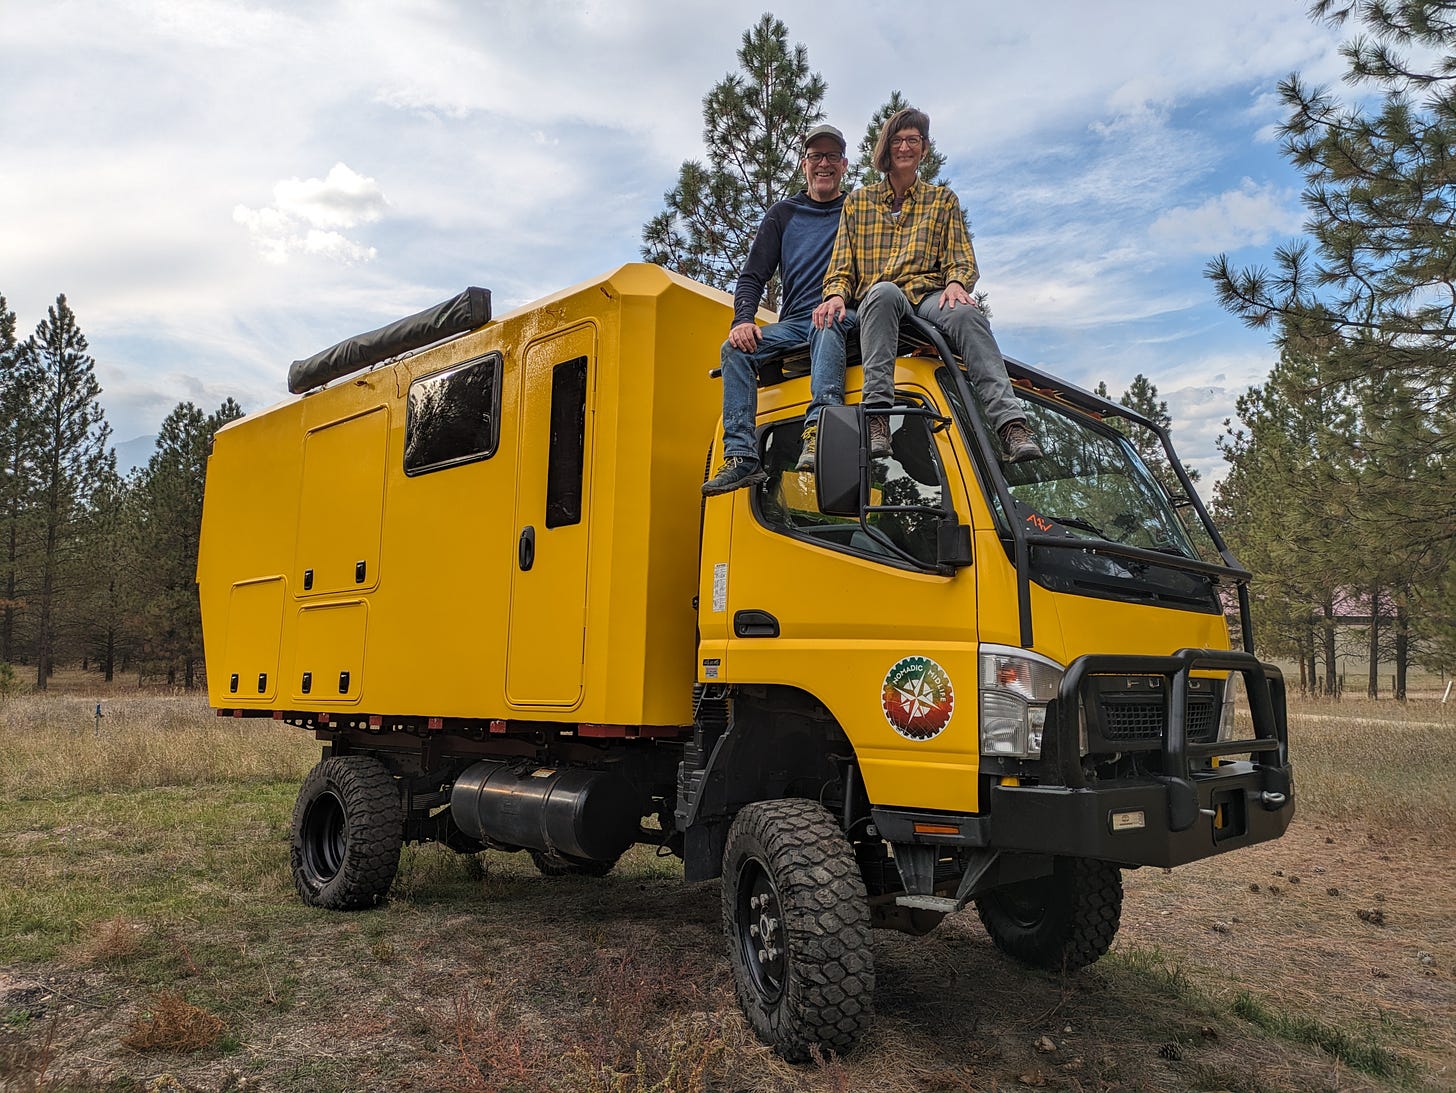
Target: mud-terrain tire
{"points": [[1061, 922], [348, 826], [789, 876], [552, 867]]}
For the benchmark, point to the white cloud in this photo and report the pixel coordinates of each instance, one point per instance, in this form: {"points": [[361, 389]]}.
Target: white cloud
{"points": [[304, 211], [526, 145], [1251, 215]]}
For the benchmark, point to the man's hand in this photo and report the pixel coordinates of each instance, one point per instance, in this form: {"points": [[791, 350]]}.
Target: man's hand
{"points": [[745, 337], [829, 312], [955, 293]]}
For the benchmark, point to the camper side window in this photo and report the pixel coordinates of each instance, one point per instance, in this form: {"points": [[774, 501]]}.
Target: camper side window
{"points": [[911, 475], [453, 416], [566, 459]]}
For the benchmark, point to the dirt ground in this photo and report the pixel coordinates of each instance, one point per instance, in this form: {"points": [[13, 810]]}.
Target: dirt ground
{"points": [[1229, 974]]}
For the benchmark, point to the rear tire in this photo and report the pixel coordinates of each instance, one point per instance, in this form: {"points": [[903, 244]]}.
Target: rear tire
{"points": [[348, 826], [797, 924], [1061, 922]]}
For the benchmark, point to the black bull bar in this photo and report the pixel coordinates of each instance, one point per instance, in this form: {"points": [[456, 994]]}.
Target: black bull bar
{"points": [[1167, 818]]}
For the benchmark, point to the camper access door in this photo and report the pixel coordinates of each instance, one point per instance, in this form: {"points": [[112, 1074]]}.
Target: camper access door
{"points": [[544, 662]]}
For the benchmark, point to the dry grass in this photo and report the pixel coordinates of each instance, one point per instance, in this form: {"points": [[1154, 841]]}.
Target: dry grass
{"points": [[55, 747], [1381, 762], [157, 916], [171, 1023], [115, 939]]}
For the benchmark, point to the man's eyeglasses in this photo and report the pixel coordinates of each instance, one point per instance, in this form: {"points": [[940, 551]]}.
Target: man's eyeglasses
{"points": [[830, 158], [906, 142]]}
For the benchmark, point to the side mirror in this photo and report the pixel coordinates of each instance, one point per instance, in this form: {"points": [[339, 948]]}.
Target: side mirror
{"points": [[953, 545], [838, 476]]}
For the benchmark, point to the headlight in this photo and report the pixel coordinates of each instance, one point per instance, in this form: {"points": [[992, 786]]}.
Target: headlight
{"points": [[1015, 688], [1230, 706]]}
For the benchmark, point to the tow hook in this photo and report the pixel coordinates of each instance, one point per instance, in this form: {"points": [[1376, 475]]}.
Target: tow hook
{"points": [[1272, 801]]}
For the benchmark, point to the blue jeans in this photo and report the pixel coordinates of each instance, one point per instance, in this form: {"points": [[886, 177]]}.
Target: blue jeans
{"points": [[740, 376]]}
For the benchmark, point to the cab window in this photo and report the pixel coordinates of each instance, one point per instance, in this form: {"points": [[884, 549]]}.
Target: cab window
{"points": [[910, 475]]}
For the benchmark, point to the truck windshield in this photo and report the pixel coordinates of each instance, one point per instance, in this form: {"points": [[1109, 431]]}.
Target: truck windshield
{"points": [[1093, 484]]}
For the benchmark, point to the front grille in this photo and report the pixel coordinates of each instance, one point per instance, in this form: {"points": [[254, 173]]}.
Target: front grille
{"points": [[1142, 719]]}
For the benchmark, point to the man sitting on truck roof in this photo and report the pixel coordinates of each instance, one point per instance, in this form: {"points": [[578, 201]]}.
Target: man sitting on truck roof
{"points": [[903, 249], [795, 238]]}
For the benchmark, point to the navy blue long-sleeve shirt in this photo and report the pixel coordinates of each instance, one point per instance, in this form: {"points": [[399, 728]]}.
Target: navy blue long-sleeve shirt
{"points": [[796, 238]]}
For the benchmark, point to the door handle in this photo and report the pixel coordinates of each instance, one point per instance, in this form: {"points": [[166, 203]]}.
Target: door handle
{"points": [[526, 549], [755, 624]]}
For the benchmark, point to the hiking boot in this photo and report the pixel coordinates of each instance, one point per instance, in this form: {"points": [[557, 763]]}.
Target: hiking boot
{"points": [[806, 453], [735, 473], [879, 429], [1017, 439]]}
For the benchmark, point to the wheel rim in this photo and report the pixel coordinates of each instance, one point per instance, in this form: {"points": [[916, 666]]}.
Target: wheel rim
{"points": [[324, 838], [760, 922]]}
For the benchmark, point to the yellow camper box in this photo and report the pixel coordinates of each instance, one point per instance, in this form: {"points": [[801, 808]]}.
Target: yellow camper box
{"points": [[363, 550]]}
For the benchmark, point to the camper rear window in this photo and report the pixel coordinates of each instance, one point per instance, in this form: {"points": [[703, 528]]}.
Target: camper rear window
{"points": [[454, 416]]}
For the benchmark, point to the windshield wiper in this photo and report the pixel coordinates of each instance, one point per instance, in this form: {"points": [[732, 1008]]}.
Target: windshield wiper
{"points": [[1084, 525]]}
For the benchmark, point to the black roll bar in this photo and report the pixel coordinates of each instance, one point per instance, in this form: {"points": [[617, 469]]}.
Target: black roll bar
{"points": [[1022, 541]]}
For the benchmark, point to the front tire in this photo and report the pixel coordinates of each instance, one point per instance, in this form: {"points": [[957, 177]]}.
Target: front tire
{"points": [[348, 826], [797, 925], [1061, 922]]}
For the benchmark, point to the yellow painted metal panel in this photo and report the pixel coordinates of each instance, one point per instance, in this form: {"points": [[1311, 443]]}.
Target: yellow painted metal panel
{"points": [[546, 648], [341, 505], [331, 638], [254, 628]]}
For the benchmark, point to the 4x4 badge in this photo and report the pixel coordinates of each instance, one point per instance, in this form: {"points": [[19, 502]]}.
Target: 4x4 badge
{"points": [[917, 698]]}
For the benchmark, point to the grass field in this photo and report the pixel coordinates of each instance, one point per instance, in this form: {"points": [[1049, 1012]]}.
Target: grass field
{"points": [[150, 939]]}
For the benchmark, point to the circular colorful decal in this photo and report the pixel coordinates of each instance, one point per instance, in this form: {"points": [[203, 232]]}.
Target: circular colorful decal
{"points": [[918, 698]]}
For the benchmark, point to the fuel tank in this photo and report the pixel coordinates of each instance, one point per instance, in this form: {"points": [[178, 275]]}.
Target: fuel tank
{"points": [[567, 811]]}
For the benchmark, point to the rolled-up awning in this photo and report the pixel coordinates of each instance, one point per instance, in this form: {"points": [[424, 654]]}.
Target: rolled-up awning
{"points": [[457, 315]]}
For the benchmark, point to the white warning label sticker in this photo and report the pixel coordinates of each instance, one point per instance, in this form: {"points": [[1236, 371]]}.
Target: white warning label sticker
{"points": [[720, 586]]}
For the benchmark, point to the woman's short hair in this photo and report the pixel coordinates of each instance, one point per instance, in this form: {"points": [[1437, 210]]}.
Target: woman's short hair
{"points": [[908, 118]]}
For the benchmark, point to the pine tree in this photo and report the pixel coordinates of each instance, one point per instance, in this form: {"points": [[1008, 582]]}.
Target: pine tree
{"points": [[1141, 397], [1376, 296], [170, 492], [863, 171], [1284, 510], [71, 457], [19, 387], [109, 599], [753, 124]]}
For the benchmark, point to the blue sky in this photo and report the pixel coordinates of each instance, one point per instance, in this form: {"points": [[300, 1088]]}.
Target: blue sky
{"points": [[220, 187]]}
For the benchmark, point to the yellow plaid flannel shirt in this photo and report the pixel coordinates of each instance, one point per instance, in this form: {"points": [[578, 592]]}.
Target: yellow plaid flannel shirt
{"points": [[922, 250]]}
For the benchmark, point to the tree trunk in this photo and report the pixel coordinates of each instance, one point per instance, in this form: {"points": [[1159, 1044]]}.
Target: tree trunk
{"points": [[108, 660], [1309, 658], [1329, 642], [189, 672], [1402, 650], [1372, 686]]}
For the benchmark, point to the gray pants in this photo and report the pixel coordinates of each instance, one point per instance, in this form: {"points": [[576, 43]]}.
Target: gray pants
{"points": [[966, 329]]}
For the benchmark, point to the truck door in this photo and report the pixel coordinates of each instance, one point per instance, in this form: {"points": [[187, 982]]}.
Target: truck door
{"points": [[886, 643], [545, 657]]}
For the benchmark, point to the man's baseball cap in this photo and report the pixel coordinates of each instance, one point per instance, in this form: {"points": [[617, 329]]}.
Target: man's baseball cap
{"points": [[826, 131]]}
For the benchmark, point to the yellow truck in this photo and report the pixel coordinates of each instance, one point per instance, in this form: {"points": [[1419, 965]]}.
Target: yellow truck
{"points": [[472, 557]]}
